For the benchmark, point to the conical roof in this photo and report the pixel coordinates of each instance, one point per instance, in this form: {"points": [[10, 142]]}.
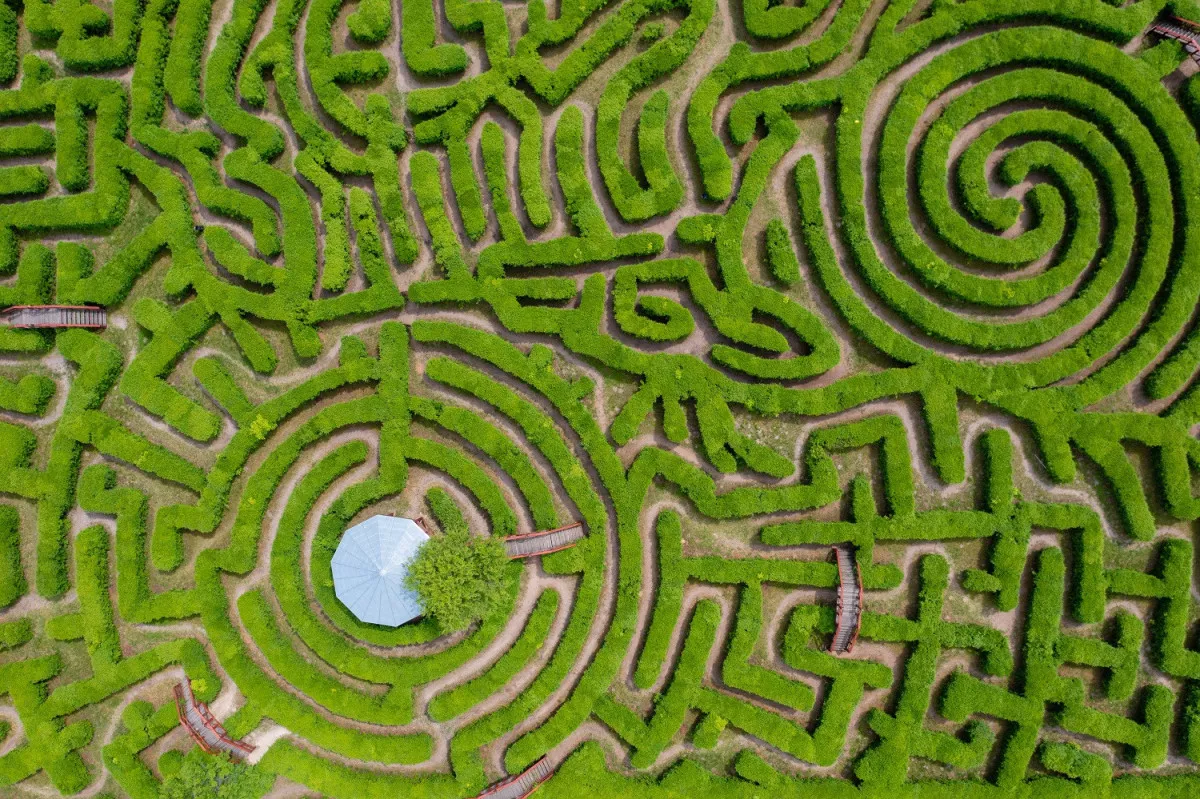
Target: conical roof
{"points": [[369, 567]]}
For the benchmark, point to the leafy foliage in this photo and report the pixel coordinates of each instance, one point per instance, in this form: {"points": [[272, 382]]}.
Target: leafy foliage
{"points": [[727, 285], [205, 776], [459, 578]]}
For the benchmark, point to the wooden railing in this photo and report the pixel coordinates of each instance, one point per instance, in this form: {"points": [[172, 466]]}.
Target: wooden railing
{"points": [[1182, 31], [38, 316], [522, 784], [849, 602], [204, 728], [543, 542]]}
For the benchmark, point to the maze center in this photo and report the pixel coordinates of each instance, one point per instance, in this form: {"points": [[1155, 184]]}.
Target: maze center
{"points": [[821, 378]]}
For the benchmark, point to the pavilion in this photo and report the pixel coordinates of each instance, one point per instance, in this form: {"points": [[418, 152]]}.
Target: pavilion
{"points": [[369, 567]]}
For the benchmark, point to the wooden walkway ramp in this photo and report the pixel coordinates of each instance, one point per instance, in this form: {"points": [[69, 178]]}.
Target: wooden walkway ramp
{"points": [[849, 602], [521, 785], [1181, 31], [33, 316], [203, 727], [543, 542]]}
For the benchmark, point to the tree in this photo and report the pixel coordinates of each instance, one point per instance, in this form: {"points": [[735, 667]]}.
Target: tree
{"points": [[459, 578], [205, 776]]}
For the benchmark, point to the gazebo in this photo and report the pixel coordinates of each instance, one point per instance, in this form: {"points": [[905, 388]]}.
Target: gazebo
{"points": [[369, 567]]}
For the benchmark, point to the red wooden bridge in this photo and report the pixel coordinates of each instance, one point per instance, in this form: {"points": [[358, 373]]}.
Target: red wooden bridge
{"points": [[1181, 30], [203, 726], [849, 602], [521, 785], [36, 316], [543, 542]]}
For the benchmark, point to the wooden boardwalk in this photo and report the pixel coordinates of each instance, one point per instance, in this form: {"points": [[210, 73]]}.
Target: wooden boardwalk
{"points": [[543, 542], [203, 727], [849, 602], [38, 316], [1181, 31], [521, 785]]}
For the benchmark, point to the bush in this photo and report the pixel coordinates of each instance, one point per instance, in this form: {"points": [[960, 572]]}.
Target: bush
{"points": [[204, 776], [12, 578], [458, 578]]}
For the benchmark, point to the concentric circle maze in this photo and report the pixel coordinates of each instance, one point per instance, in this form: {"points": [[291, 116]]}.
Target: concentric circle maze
{"points": [[834, 363]]}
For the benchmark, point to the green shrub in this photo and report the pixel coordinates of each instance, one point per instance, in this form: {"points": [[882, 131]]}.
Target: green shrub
{"points": [[458, 578], [204, 776]]}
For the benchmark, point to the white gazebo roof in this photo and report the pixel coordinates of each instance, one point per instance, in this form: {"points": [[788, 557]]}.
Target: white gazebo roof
{"points": [[369, 567]]}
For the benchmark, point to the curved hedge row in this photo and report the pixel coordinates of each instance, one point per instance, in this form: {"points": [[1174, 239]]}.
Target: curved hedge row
{"points": [[1007, 227]]}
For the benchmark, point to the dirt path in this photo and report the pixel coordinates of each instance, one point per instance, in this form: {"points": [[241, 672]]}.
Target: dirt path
{"points": [[725, 29]]}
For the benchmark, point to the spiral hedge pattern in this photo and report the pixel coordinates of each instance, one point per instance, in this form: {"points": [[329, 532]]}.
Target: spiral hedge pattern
{"points": [[729, 283]]}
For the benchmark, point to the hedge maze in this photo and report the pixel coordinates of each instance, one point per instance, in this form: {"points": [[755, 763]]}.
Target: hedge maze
{"points": [[731, 283]]}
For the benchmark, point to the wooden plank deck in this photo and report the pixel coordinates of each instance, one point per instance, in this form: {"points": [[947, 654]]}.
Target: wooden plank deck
{"points": [[543, 542], [849, 603], [47, 316], [521, 785], [1182, 31], [203, 726]]}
